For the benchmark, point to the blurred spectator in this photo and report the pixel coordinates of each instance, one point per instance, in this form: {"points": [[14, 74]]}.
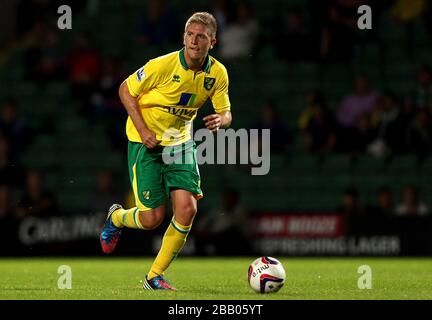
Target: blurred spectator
{"points": [[31, 12], [83, 73], [419, 134], [317, 20], [15, 129], [26, 43], [385, 203], [292, 39], [105, 106], [361, 100], [83, 61], [225, 229], [408, 110], [158, 26], [105, 194], [238, 40], [424, 88], [43, 59], [350, 205], [361, 136], [222, 11], [105, 101], [317, 125], [391, 124], [36, 199], [407, 13], [411, 204], [311, 99], [270, 119], [404, 11], [338, 29]]}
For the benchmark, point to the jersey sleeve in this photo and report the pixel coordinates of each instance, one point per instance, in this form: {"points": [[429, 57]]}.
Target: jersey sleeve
{"points": [[220, 98], [144, 79]]}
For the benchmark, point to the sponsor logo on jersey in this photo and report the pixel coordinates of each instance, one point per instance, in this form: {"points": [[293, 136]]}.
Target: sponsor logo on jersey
{"points": [[187, 99], [182, 112]]}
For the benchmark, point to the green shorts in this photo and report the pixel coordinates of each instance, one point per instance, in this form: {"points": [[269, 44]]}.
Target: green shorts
{"points": [[155, 172]]}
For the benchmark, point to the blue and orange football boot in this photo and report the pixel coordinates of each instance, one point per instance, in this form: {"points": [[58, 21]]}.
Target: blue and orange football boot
{"points": [[157, 283], [110, 233]]}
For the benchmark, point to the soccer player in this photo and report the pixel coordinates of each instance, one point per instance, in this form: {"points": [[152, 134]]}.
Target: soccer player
{"points": [[162, 99]]}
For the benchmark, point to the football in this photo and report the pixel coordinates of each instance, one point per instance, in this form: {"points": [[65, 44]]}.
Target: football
{"points": [[266, 275]]}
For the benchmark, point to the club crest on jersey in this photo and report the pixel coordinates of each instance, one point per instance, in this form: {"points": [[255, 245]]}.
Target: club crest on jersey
{"points": [[209, 82], [140, 74]]}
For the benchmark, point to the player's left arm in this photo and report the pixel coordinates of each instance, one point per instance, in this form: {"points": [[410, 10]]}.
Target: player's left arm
{"points": [[221, 104], [219, 120]]}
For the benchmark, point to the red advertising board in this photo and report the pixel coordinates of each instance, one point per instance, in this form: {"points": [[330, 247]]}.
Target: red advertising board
{"points": [[299, 225]]}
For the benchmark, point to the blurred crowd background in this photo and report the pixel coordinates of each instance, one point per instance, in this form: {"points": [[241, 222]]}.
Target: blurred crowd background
{"points": [[349, 110]]}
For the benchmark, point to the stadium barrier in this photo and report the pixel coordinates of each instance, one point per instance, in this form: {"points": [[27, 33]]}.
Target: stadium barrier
{"points": [[290, 234]]}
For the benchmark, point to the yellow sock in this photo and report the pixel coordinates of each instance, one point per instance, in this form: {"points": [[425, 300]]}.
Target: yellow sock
{"points": [[127, 218], [172, 242]]}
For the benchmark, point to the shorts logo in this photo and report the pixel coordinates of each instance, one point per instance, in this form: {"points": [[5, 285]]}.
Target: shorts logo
{"points": [[140, 74], [209, 82], [146, 195]]}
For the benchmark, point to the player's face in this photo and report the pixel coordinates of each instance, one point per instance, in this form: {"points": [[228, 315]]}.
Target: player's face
{"points": [[197, 41]]}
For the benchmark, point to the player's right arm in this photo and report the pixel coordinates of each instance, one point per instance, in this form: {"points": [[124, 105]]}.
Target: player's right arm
{"points": [[142, 80]]}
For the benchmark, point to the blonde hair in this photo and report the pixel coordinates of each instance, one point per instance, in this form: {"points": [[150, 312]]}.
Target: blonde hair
{"points": [[205, 18]]}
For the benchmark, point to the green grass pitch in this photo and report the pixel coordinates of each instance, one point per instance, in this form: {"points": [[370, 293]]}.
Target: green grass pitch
{"points": [[215, 279]]}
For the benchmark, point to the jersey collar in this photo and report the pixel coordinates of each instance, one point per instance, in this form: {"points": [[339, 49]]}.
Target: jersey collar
{"points": [[205, 67]]}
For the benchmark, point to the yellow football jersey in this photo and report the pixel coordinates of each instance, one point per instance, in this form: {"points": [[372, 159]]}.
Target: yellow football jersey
{"points": [[170, 94]]}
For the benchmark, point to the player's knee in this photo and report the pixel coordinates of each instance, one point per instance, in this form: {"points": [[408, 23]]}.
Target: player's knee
{"points": [[191, 210], [150, 219], [186, 213]]}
